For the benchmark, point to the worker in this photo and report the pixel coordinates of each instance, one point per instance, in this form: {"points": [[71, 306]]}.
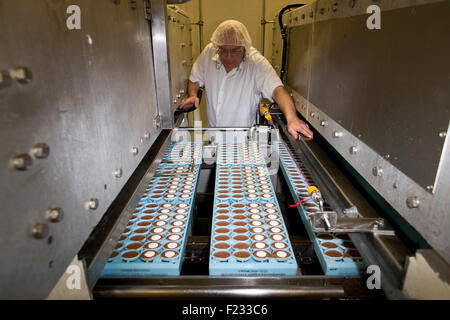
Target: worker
{"points": [[235, 76]]}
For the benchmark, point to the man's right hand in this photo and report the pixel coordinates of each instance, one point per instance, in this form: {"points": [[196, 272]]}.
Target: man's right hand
{"points": [[189, 102]]}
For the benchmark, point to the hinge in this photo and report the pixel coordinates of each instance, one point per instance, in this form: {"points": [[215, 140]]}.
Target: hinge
{"points": [[147, 10]]}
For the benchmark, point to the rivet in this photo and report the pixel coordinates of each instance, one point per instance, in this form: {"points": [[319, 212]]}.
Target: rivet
{"points": [[353, 150], [413, 202], [92, 204], [377, 171], [337, 134], [134, 150], [40, 151], [443, 134], [118, 172], [323, 123], [40, 231], [54, 215], [21, 162]]}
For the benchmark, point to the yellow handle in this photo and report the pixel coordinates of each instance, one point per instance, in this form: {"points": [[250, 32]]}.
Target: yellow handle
{"points": [[311, 189]]}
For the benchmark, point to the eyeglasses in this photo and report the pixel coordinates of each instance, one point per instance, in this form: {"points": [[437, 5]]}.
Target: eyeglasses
{"points": [[233, 52]]}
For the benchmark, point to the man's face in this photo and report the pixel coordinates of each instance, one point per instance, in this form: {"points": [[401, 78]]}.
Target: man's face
{"points": [[231, 56]]}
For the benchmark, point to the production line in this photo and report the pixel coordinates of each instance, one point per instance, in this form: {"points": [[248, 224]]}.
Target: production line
{"points": [[105, 175]]}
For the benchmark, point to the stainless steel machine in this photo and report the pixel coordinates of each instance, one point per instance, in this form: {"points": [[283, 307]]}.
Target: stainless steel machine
{"points": [[88, 93]]}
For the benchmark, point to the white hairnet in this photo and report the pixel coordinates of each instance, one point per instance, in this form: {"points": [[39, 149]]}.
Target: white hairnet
{"points": [[231, 33]]}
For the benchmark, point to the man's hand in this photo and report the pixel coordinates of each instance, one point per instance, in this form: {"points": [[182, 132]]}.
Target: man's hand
{"points": [[296, 126], [189, 102]]}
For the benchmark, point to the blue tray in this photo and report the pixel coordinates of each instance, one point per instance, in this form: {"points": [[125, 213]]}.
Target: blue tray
{"points": [[247, 214]]}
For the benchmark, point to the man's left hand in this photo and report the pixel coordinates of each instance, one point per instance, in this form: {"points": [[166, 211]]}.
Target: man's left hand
{"points": [[296, 126]]}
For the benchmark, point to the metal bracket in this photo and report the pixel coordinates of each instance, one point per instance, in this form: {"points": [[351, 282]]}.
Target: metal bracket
{"points": [[329, 221], [157, 122]]}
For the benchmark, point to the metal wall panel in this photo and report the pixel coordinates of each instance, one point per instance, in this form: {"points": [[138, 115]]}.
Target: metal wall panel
{"points": [[381, 98], [171, 31], [92, 101], [180, 53]]}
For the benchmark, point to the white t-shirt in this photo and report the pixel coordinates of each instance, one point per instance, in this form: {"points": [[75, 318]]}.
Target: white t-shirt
{"points": [[232, 98]]}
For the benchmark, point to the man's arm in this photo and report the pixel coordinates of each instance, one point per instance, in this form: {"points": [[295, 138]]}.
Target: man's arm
{"points": [[294, 124], [192, 98]]}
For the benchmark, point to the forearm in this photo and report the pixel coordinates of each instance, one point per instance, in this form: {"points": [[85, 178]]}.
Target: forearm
{"points": [[284, 101], [193, 88]]}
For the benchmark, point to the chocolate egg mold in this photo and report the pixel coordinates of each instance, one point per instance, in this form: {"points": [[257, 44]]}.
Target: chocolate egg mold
{"points": [[161, 249], [239, 258]]}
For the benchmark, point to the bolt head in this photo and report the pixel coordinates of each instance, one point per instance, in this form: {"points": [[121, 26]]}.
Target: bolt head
{"points": [[337, 134], [413, 202], [40, 231], [377, 171], [92, 204], [21, 162], [54, 215], [118, 172], [353, 150], [40, 151], [134, 150]]}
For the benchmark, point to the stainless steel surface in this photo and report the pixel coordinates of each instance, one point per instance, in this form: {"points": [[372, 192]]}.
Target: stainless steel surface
{"points": [[95, 268], [359, 95], [387, 78], [159, 32], [171, 36], [225, 292], [179, 43], [201, 287], [277, 46], [90, 99]]}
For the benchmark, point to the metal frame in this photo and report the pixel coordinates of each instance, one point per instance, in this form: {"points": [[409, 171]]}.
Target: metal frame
{"points": [[424, 208], [372, 247]]}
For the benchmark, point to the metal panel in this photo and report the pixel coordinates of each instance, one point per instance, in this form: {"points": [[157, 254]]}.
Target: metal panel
{"points": [[401, 89], [375, 79], [171, 34], [180, 53], [92, 101]]}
